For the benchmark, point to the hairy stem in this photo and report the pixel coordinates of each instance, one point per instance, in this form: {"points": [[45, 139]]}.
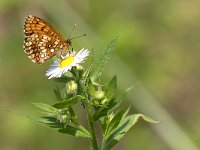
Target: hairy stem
{"points": [[83, 89], [92, 130]]}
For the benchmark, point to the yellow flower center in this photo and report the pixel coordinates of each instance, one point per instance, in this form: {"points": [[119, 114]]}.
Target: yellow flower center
{"points": [[66, 62]]}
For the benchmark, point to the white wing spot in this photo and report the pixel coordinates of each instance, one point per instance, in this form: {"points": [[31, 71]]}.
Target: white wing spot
{"points": [[52, 50], [44, 50], [44, 37], [31, 51], [44, 40], [42, 47], [56, 42], [49, 38], [42, 55], [32, 55]]}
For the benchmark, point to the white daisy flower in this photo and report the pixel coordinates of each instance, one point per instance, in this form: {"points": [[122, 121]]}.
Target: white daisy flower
{"points": [[70, 60]]}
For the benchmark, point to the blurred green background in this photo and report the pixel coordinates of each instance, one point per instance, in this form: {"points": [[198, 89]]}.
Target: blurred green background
{"points": [[158, 51]]}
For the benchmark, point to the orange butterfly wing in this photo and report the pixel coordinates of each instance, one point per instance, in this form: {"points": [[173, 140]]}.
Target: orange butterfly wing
{"points": [[42, 41]]}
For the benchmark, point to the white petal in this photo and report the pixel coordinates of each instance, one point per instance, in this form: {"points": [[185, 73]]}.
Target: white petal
{"points": [[56, 63], [53, 73], [82, 54], [73, 53], [56, 72], [66, 69]]}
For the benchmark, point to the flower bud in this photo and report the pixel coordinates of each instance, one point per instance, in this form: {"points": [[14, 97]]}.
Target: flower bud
{"points": [[71, 87], [104, 101], [79, 68], [99, 95], [63, 118]]}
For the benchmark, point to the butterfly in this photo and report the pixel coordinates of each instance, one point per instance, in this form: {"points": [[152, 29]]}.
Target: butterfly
{"points": [[42, 41]]}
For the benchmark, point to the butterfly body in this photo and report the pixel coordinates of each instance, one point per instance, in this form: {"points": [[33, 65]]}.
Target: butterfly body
{"points": [[42, 41]]}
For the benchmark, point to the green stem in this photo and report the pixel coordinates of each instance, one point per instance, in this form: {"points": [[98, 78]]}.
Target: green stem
{"points": [[102, 145], [92, 130], [83, 89]]}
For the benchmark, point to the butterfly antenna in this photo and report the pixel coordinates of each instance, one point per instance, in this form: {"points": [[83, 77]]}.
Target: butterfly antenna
{"points": [[72, 31], [78, 36]]}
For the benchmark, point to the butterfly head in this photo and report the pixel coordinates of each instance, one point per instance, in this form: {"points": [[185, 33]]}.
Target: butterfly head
{"points": [[68, 42]]}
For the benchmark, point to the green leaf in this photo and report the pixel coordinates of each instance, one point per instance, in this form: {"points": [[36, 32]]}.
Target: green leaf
{"points": [[146, 118], [46, 108], [111, 88], [74, 118], [91, 88], [51, 122], [58, 94], [84, 130], [98, 67], [123, 127], [105, 121], [111, 106], [75, 72], [68, 102], [118, 100], [74, 131], [86, 74], [100, 113], [115, 122], [63, 128], [47, 120], [104, 110], [115, 136]]}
